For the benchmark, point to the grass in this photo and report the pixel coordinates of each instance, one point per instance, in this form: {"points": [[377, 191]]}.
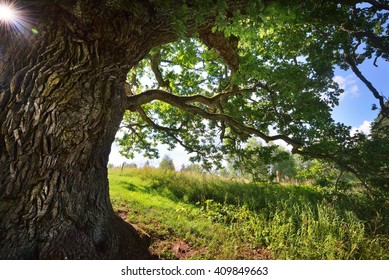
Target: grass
{"points": [[198, 216]]}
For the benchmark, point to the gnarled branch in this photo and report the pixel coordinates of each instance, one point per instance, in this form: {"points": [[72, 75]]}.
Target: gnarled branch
{"points": [[157, 94], [226, 47], [169, 131], [184, 103], [380, 42], [377, 95], [154, 63]]}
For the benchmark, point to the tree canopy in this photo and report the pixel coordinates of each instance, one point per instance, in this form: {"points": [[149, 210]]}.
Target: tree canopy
{"points": [[265, 69]]}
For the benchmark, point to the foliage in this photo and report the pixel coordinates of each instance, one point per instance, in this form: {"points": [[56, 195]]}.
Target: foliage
{"points": [[324, 174], [267, 66], [195, 168], [167, 163], [256, 220], [286, 166], [251, 162], [258, 163]]}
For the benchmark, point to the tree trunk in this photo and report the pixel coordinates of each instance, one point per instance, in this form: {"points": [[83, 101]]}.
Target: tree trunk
{"points": [[61, 100]]}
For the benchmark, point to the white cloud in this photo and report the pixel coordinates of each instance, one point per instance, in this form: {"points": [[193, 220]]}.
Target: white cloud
{"points": [[365, 127], [348, 84], [354, 90]]}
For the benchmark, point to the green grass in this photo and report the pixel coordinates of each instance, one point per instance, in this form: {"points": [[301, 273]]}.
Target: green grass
{"points": [[198, 216]]}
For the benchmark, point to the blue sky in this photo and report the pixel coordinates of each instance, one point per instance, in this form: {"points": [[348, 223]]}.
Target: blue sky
{"points": [[355, 104], [354, 109]]}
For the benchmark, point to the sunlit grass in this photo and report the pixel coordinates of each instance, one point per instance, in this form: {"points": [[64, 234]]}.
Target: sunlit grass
{"points": [[224, 219]]}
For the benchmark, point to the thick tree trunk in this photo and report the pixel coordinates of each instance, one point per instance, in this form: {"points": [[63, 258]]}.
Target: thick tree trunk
{"points": [[61, 100]]}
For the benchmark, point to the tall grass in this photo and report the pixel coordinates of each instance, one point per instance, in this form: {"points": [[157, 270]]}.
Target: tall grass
{"points": [[226, 219]]}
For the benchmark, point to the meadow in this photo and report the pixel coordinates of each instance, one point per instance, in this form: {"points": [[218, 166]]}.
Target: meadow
{"points": [[187, 215]]}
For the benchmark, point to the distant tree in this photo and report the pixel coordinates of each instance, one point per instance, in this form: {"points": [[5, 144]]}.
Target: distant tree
{"points": [[285, 164], [260, 163], [192, 168], [249, 162], [223, 172], [167, 163]]}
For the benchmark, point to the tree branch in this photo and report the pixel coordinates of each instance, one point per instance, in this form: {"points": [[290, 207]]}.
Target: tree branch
{"points": [[150, 122], [381, 6], [183, 103], [226, 47], [168, 131], [377, 95], [157, 94], [380, 43], [154, 63]]}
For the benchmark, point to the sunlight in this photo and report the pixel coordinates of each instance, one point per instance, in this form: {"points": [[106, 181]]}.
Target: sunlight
{"points": [[7, 13], [12, 17]]}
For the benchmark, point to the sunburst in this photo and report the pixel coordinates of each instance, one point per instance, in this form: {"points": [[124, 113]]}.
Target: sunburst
{"points": [[7, 13], [12, 17]]}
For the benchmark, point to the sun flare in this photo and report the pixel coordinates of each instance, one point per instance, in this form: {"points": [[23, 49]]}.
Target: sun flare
{"points": [[13, 18], [7, 13]]}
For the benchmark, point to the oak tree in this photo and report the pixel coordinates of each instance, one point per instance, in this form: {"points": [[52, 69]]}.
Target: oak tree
{"points": [[70, 71]]}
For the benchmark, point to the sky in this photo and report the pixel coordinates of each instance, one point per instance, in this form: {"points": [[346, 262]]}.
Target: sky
{"points": [[354, 110], [355, 104]]}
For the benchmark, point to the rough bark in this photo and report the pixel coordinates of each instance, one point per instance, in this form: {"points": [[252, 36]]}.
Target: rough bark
{"points": [[61, 103]]}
